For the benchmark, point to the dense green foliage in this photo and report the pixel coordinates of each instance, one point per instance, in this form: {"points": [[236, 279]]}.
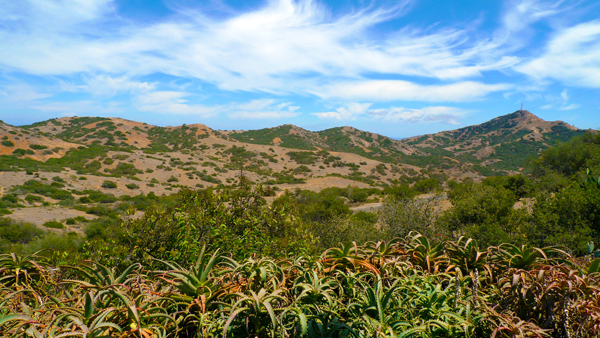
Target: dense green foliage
{"points": [[267, 136], [569, 158], [511, 256], [400, 288]]}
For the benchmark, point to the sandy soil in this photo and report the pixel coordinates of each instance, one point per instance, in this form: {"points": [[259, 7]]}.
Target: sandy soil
{"points": [[368, 207], [41, 215]]}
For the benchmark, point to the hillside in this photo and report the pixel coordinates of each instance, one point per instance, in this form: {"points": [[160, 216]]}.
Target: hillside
{"points": [[31, 144], [145, 158], [502, 144], [69, 160], [279, 155]]}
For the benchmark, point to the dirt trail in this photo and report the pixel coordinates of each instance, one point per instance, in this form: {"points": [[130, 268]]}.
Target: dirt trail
{"points": [[369, 207]]}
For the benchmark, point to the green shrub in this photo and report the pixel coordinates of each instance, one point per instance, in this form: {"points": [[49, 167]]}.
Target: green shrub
{"points": [[54, 225], [7, 143], [57, 185], [10, 198], [426, 185], [85, 200], [132, 186], [33, 198], [99, 197], [18, 231], [302, 157], [109, 185], [37, 147]]}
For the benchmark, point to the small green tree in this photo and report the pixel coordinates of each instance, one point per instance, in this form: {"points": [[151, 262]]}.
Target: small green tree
{"points": [[109, 185], [484, 213]]}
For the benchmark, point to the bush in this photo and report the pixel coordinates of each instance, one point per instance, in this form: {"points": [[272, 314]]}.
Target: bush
{"points": [[10, 198], [484, 213], [132, 186], [85, 200], [75, 220], [99, 197], [66, 244], [18, 231], [33, 198], [400, 216], [109, 185], [7, 143], [426, 185], [54, 225]]}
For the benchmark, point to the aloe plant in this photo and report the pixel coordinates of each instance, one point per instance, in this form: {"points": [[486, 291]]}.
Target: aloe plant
{"points": [[430, 257], [385, 289]]}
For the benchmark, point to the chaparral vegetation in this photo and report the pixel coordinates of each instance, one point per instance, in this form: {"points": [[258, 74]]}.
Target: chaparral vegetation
{"points": [[513, 256]]}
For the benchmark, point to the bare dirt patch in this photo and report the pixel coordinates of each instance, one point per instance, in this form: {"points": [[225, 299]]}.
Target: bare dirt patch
{"points": [[41, 215]]}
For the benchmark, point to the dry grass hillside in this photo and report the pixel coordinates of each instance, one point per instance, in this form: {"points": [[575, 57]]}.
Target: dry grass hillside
{"points": [[74, 156], [31, 144]]}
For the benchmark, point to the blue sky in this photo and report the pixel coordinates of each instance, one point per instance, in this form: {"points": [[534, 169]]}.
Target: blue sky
{"points": [[398, 68]]}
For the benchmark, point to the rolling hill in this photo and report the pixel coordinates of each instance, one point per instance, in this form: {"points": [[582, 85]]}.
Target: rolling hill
{"points": [[197, 155]]}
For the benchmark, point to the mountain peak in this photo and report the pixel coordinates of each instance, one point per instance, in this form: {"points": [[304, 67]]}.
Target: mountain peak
{"points": [[525, 115]]}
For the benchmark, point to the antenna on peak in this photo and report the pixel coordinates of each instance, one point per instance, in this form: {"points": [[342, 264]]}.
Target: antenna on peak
{"points": [[521, 106]]}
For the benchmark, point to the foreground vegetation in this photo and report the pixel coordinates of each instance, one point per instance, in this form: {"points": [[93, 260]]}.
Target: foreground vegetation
{"points": [[513, 256], [401, 288]]}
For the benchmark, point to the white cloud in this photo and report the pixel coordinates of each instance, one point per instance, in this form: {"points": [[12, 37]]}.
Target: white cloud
{"points": [[353, 111], [394, 90], [572, 56], [284, 47], [441, 114], [560, 102], [246, 115], [177, 103], [17, 94], [108, 85], [83, 107], [570, 106], [519, 14], [262, 109], [172, 102], [350, 112]]}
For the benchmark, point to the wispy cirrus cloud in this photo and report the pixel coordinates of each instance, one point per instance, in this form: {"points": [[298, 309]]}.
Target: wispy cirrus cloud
{"points": [[353, 111], [561, 102], [572, 56], [178, 103], [257, 63], [262, 50], [397, 90]]}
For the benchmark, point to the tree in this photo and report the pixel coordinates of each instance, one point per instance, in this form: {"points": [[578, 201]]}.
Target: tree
{"points": [[570, 217], [484, 213], [400, 216]]}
